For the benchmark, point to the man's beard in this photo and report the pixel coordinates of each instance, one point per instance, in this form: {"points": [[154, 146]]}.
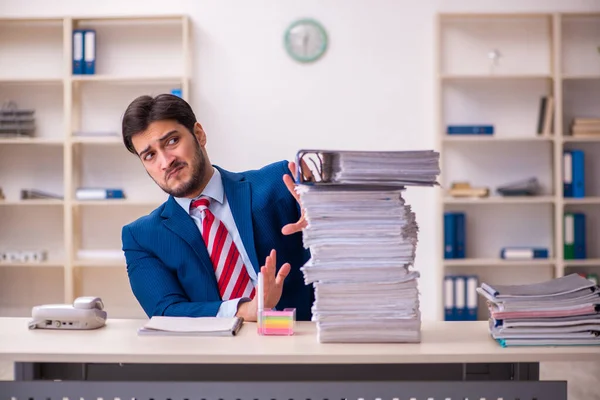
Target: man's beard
{"points": [[198, 169]]}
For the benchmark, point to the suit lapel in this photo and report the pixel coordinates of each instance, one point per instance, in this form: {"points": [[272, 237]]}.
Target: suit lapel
{"points": [[181, 224], [239, 197]]}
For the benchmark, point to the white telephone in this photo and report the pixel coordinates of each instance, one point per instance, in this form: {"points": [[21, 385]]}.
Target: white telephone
{"points": [[85, 313]]}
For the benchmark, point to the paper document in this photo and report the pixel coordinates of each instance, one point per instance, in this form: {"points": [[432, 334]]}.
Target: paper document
{"points": [[191, 326], [558, 312], [362, 237]]}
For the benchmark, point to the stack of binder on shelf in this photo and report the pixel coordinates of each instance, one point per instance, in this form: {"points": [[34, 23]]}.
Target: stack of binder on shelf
{"points": [[15, 121], [560, 312], [460, 297], [363, 236]]}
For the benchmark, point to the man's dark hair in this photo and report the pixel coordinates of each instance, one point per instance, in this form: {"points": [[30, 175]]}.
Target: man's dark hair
{"points": [[145, 110]]}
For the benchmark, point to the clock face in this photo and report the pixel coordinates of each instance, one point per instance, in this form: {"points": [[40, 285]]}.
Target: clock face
{"points": [[305, 40]]}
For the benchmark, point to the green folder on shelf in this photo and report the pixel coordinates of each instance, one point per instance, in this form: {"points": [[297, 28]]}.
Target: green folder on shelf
{"points": [[569, 236]]}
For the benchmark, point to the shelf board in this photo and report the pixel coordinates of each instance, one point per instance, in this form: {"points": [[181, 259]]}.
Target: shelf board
{"points": [[588, 262], [30, 80], [581, 138], [582, 200], [32, 202], [574, 77], [108, 262], [117, 202], [149, 18], [127, 79], [494, 138], [491, 262], [30, 140], [43, 264], [455, 77], [97, 139], [500, 200]]}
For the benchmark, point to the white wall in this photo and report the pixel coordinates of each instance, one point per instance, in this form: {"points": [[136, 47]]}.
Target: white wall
{"points": [[374, 89]]}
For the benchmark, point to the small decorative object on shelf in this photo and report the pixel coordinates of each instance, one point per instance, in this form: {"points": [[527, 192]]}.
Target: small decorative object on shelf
{"points": [[464, 189], [1, 194], [33, 194], [15, 121], [30, 256], [526, 187], [494, 56]]}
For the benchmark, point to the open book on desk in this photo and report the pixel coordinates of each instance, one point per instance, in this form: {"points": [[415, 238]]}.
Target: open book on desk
{"points": [[191, 326]]}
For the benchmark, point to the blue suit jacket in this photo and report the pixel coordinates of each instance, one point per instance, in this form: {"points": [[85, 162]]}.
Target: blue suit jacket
{"points": [[168, 265]]}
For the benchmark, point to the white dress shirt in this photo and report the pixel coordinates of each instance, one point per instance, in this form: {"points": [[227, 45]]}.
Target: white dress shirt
{"points": [[219, 206]]}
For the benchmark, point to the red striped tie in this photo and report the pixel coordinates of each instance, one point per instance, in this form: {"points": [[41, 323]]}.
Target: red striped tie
{"points": [[232, 277]]}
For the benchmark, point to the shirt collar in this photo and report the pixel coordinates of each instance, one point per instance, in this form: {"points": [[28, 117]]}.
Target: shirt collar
{"points": [[214, 190]]}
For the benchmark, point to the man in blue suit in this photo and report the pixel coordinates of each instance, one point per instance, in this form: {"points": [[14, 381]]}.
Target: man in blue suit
{"points": [[199, 253]]}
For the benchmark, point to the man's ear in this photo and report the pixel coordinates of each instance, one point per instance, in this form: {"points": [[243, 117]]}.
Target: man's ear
{"points": [[199, 133]]}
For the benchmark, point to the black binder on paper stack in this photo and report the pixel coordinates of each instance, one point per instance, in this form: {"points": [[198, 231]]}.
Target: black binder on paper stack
{"points": [[363, 236]]}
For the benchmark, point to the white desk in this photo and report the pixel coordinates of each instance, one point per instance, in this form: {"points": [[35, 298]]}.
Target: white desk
{"points": [[118, 342], [298, 359]]}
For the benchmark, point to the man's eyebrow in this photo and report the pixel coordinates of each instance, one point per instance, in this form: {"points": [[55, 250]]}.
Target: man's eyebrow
{"points": [[160, 139]]}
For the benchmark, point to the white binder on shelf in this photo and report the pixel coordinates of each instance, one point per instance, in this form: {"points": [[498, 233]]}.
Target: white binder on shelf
{"points": [[89, 48], [78, 52]]}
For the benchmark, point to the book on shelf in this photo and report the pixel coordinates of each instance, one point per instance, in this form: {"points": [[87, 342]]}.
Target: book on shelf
{"points": [[545, 125], [464, 189], [585, 127]]}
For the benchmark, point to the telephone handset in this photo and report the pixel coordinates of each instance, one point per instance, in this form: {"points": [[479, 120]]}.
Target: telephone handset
{"points": [[85, 313]]}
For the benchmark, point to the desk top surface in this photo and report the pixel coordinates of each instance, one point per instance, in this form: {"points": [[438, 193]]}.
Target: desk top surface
{"points": [[442, 342]]}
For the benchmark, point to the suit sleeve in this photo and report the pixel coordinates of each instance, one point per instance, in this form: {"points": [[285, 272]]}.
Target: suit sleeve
{"points": [[156, 287]]}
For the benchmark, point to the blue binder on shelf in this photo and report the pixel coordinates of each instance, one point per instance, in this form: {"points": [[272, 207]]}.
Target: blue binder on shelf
{"points": [[470, 129], [454, 235], [78, 49], [523, 253], [460, 297], [471, 296], [579, 236], [449, 235], [449, 298], [573, 173], [89, 47]]}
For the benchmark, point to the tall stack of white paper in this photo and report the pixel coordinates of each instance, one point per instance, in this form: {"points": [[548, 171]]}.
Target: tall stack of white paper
{"points": [[362, 237], [561, 311]]}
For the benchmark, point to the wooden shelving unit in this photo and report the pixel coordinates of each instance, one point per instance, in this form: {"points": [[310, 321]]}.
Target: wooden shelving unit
{"points": [[36, 73], [540, 54]]}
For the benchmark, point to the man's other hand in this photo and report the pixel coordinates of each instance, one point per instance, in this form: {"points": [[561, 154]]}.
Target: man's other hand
{"points": [[292, 228]]}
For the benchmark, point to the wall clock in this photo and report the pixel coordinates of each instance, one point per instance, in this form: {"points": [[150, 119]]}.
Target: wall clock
{"points": [[305, 40]]}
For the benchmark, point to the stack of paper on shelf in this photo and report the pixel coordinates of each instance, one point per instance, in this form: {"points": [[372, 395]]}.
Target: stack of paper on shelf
{"points": [[363, 236], [559, 312], [585, 127]]}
